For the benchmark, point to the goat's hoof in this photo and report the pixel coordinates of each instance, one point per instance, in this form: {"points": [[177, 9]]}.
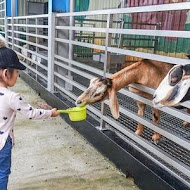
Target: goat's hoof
{"points": [[186, 124], [139, 132], [155, 138]]}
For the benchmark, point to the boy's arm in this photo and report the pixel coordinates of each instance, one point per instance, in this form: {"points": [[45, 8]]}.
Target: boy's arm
{"points": [[18, 104]]}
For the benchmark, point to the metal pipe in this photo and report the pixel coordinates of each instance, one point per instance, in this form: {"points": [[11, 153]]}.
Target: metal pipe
{"points": [[12, 20], [51, 49], [140, 9], [71, 32]]}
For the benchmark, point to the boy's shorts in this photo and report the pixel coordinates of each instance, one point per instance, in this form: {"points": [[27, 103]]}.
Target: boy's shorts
{"points": [[5, 164]]}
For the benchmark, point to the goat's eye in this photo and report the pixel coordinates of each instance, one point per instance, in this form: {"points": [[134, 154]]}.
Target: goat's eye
{"points": [[175, 75], [97, 94], [174, 80]]}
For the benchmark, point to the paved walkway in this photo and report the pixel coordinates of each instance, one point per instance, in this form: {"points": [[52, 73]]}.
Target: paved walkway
{"points": [[56, 157]]}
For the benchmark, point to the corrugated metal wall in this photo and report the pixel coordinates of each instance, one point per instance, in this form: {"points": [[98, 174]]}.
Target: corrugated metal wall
{"points": [[100, 5], [137, 3], [105, 4], [169, 20]]}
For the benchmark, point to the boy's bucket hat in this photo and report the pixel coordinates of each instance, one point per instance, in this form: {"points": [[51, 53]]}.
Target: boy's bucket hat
{"points": [[8, 58]]}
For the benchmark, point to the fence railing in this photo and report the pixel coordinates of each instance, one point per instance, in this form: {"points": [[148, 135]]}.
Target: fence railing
{"points": [[30, 35], [46, 43], [2, 17]]}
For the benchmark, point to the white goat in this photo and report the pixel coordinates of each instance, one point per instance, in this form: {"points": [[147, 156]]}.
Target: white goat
{"points": [[175, 87]]}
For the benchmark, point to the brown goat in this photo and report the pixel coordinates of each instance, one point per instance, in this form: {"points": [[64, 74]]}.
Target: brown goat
{"points": [[145, 72]]}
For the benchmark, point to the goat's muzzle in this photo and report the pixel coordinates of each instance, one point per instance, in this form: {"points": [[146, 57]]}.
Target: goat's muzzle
{"points": [[78, 102]]}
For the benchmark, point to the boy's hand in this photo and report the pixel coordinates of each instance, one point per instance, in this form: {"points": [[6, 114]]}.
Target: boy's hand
{"points": [[54, 112]]}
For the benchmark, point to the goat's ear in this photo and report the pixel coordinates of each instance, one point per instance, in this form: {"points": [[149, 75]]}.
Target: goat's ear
{"points": [[113, 103]]}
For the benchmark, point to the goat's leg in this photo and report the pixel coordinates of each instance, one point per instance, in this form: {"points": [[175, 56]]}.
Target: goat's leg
{"points": [[156, 118], [185, 123], [141, 109]]}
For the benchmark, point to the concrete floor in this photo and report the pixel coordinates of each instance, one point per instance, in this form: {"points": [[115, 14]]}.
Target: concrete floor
{"points": [[56, 157]]}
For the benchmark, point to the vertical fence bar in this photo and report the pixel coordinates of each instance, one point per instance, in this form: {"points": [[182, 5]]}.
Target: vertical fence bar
{"points": [[71, 33], [5, 22], [12, 20], [120, 43], [106, 63], [27, 39], [51, 48], [156, 38], [71, 37]]}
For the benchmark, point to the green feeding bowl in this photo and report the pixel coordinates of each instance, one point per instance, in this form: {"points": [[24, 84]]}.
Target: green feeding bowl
{"points": [[75, 113]]}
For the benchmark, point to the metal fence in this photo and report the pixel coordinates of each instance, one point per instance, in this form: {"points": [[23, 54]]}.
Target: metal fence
{"points": [[28, 36], [2, 17], [46, 44]]}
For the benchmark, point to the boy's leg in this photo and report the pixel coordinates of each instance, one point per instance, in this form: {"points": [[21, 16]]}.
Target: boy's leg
{"points": [[5, 164]]}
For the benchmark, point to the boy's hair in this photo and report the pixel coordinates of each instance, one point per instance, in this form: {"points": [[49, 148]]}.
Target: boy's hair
{"points": [[10, 73]]}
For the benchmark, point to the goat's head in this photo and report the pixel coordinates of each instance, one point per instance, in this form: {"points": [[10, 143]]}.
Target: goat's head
{"points": [[175, 87], [98, 90]]}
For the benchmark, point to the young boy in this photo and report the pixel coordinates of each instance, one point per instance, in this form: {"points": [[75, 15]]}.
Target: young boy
{"points": [[10, 104]]}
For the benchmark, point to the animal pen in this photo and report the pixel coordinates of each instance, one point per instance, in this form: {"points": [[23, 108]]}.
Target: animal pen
{"points": [[63, 51]]}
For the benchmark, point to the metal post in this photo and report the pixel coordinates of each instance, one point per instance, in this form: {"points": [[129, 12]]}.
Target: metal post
{"points": [[12, 20], [156, 38], [120, 44], [5, 22], [71, 33], [106, 64], [51, 47], [121, 24], [27, 45], [68, 86], [108, 44]]}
